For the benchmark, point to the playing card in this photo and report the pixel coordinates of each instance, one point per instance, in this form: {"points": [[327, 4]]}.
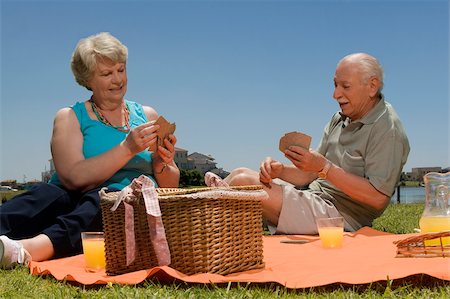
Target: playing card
{"points": [[294, 138], [165, 129]]}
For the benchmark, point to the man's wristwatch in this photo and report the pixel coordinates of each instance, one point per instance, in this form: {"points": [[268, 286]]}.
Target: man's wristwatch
{"points": [[324, 172]]}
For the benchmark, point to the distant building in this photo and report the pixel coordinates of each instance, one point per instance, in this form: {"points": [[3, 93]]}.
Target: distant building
{"points": [[201, 162], [205, 163], [181, 159], [417, 173]]}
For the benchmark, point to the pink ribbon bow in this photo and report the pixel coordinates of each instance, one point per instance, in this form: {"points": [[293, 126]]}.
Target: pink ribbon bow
{"points": [[145, 186]]}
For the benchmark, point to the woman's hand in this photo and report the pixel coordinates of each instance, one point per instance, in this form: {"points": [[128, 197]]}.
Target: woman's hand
{"points": [[141, 137], [165, 169], [167, 152], [164, 155], [270, 169]]}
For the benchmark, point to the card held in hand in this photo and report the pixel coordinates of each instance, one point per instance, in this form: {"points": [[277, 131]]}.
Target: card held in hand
{"points": [[165, 129], [294, 138]]}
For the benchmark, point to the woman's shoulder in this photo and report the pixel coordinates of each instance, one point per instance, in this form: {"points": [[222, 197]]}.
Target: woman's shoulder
{"points": [[149, 112], [78, 106], [77, 112], [65, 117], [64, 113]]}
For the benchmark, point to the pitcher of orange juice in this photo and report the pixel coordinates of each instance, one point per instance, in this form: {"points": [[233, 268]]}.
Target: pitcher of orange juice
{"points": [[436, 215]]}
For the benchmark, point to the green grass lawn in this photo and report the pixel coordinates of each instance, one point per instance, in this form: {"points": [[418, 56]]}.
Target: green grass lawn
{"points": [[18, 283], [6, 195]]}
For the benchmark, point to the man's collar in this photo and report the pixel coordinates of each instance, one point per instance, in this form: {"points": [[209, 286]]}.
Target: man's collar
{"points": [[370, 117]]}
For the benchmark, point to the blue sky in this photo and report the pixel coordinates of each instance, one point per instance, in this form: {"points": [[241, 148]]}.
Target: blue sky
{"points": [[234, 75]]}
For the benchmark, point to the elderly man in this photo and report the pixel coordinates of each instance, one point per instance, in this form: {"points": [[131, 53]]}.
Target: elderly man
{"points": [[355, 169]]}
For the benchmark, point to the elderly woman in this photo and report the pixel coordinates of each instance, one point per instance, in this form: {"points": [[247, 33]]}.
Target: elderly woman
{"points": [[101, 142], [354, 171]]}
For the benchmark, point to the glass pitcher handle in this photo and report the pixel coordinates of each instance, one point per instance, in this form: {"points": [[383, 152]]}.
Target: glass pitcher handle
{"points": [[442, 196]]}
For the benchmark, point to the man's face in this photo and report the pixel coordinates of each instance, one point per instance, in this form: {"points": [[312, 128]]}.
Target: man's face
{"points": [[352, 94]]}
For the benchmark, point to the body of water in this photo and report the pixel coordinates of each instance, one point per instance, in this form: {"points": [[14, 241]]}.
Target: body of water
{"points": [[410, 195], [407, 195]]}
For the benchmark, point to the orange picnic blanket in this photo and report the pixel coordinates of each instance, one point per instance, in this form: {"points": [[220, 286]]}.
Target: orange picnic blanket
{"points": [[366, 256]]}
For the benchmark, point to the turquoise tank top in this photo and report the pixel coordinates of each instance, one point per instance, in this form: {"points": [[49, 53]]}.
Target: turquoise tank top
{"points": [[99, 138]]}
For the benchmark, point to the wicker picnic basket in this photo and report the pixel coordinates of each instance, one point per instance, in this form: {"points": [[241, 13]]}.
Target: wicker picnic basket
{"points": [[416, 246], [204, 233]]}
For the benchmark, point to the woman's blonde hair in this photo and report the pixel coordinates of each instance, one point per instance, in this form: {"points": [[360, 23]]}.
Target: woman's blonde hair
{"points": [[88, 50]]}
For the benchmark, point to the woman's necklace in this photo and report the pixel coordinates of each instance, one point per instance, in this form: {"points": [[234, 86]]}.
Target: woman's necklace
{"points": [[125, 128]]}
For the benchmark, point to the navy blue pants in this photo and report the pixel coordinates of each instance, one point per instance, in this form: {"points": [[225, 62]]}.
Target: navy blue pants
{"points": [[58, 213]]}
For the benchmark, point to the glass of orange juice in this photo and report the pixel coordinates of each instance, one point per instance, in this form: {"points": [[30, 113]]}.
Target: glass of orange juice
{"points": [[94, 250], [331, 231]]}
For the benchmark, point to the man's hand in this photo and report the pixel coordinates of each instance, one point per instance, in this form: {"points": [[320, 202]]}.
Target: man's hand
{"points": [[306, 160], [270, 169]]}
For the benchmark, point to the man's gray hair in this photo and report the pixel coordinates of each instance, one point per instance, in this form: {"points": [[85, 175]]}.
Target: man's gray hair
{"points": [[369, 66], [101, 45]]}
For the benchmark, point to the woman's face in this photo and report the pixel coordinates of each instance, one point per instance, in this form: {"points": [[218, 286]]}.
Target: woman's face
{"points": [[109, 80]]}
